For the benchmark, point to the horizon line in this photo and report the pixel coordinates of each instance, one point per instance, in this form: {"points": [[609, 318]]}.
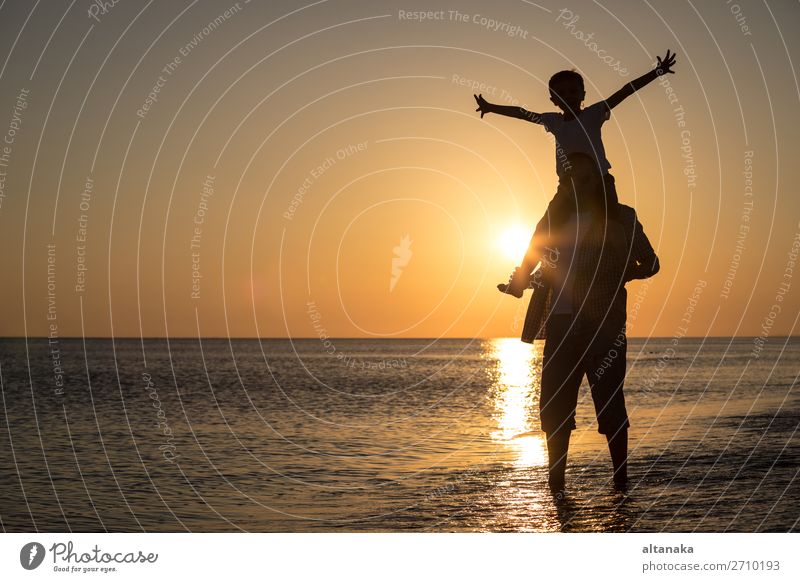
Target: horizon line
{"points": [[182, 337]]}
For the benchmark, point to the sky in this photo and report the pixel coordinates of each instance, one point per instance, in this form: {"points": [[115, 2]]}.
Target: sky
{"points": [[318, 169]]}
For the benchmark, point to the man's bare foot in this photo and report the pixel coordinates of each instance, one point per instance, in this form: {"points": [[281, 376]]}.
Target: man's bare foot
{"points": [[558, 491]]}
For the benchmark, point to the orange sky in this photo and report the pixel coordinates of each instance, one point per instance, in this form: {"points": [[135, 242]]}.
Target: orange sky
{"points": [[253, 171]]}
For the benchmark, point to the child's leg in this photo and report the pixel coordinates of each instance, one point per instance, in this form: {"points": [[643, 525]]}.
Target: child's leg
{"points": [[538, 248], [610, 189]]}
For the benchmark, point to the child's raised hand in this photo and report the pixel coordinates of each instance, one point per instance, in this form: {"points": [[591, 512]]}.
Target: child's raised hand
{"points": [[665, 66], [483, 105]]}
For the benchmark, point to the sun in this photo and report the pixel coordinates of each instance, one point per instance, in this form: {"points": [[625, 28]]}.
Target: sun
{"points": [[513, 241]]}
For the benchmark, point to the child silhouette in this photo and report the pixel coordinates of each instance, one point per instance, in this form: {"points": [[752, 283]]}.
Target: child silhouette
{"points": [[575, 130]]}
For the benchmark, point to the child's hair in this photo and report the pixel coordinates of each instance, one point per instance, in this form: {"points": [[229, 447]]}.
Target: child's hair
{"points": [[565, 76]]}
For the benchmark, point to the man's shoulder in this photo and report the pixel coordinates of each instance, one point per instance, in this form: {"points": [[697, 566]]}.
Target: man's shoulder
{"points": [[627, 212]]}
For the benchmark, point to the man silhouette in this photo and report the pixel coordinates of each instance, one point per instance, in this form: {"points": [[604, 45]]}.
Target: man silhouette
{"points": [[595, 245]]}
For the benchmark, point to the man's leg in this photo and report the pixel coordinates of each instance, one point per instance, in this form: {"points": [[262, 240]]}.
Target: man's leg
{"points": [[557, 449], [606, 372], [561, 379], [618, 447]]}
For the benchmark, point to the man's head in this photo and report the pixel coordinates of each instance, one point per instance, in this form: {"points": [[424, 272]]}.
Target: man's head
{"points": [[583, 173], [590, 193], [566, 91]]}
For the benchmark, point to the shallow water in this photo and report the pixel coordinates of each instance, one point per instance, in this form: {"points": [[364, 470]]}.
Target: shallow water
{"points": [[397, 435]]}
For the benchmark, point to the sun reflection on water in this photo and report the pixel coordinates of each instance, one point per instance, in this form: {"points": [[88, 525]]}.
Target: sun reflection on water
{"points": [[515, 397]]}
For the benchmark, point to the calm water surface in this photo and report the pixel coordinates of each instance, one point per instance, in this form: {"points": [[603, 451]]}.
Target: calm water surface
{"points": [[394, 435]]}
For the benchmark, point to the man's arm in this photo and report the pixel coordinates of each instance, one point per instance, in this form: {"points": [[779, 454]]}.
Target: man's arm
{"points": [[508, 110], [643, 262], [662, 68]]}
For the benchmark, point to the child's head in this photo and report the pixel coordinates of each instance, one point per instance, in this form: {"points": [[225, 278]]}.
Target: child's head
{"points": [[566, 90]]}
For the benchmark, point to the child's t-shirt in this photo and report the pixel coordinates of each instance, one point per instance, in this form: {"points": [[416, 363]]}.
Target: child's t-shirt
{"points": [[581, 134]]}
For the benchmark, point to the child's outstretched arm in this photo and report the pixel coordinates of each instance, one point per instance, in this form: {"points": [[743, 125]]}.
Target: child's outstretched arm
{"points": [[662, 68], [508, 110]]}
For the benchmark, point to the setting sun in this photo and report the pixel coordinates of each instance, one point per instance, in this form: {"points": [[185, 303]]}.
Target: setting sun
{"points": [[513, 241]]}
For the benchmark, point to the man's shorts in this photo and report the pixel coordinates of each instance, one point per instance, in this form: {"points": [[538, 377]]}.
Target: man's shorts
{"points": [[567, 358]]}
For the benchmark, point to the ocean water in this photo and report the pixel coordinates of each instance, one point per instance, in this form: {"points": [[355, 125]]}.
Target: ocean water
{"points": [[386, 435]]}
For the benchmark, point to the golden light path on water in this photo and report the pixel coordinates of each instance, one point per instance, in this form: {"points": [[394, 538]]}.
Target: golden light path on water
{"points": [[522, 493], [515, 397]]}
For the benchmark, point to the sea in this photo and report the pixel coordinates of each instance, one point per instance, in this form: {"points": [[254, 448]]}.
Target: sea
{"points": [[387, 435]]}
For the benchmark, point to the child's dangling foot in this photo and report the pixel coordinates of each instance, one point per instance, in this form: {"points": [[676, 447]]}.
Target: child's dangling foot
{"points": [[517, 283]]}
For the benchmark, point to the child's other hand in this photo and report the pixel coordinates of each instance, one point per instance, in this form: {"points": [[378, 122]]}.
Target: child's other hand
{"points": [[483, 105], [665, 66]]}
